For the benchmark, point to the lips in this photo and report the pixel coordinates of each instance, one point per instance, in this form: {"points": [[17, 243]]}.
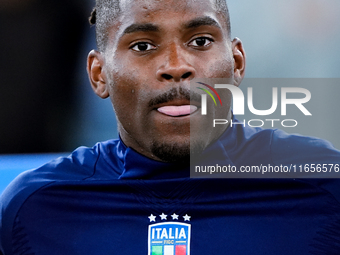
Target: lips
{"points": [[176, 111]]}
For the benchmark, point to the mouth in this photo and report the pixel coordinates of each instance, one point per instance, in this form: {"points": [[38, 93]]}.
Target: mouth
{"points": [[177, 111]]}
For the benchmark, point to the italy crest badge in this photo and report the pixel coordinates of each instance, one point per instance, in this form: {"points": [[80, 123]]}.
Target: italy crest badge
{"points": [[169, 238]]}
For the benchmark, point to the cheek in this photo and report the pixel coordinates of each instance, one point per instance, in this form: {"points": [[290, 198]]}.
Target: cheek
{"points": [[128, 96], [219, 68], [123, 95]]}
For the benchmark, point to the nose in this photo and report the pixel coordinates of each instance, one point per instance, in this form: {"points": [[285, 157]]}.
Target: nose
{"points": [[175, 65]]}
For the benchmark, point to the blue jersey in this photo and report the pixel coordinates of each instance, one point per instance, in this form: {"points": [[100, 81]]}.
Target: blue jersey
{"points": [[111, 200]]}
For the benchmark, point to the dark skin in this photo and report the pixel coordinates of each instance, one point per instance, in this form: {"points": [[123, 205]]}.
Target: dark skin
{"points": [[156, 48]]}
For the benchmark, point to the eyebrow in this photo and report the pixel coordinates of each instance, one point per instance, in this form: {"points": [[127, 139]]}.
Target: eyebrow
{"points": [[201, 21], [144, 27], [149, 27]]}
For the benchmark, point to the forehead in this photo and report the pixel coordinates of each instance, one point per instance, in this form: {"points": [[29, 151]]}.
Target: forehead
{"points": [[148, 7], [163, 11]]}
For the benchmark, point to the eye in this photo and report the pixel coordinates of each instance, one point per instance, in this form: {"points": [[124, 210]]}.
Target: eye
{"points": [[201, 42], [142, 46]]}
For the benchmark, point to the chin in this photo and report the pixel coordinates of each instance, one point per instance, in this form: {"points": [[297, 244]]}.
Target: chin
{"points": [[176, 151]]}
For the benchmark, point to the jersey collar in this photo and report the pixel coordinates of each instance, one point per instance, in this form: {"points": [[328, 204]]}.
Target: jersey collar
{"points": [[137, 166]]}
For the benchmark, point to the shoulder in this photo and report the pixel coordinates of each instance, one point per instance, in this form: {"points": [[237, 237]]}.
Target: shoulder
{"points": [[302, 149], [276, 147], [81, 164]]}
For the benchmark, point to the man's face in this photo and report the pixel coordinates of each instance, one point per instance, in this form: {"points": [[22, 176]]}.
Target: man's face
{"points": [[155, 48]]}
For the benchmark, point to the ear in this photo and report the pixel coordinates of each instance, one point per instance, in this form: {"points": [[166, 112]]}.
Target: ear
{"points": [[95, 63], [239, 61]]}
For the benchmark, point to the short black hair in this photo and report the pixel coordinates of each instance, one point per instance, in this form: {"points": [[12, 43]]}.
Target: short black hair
{"points": [[106, 11]]}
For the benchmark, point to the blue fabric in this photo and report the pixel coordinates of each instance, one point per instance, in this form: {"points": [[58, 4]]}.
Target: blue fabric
{"points": [[98, 201], [12, 165]]}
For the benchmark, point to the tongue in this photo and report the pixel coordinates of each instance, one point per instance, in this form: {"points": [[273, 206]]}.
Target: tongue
{"points": [[177, 110]]}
